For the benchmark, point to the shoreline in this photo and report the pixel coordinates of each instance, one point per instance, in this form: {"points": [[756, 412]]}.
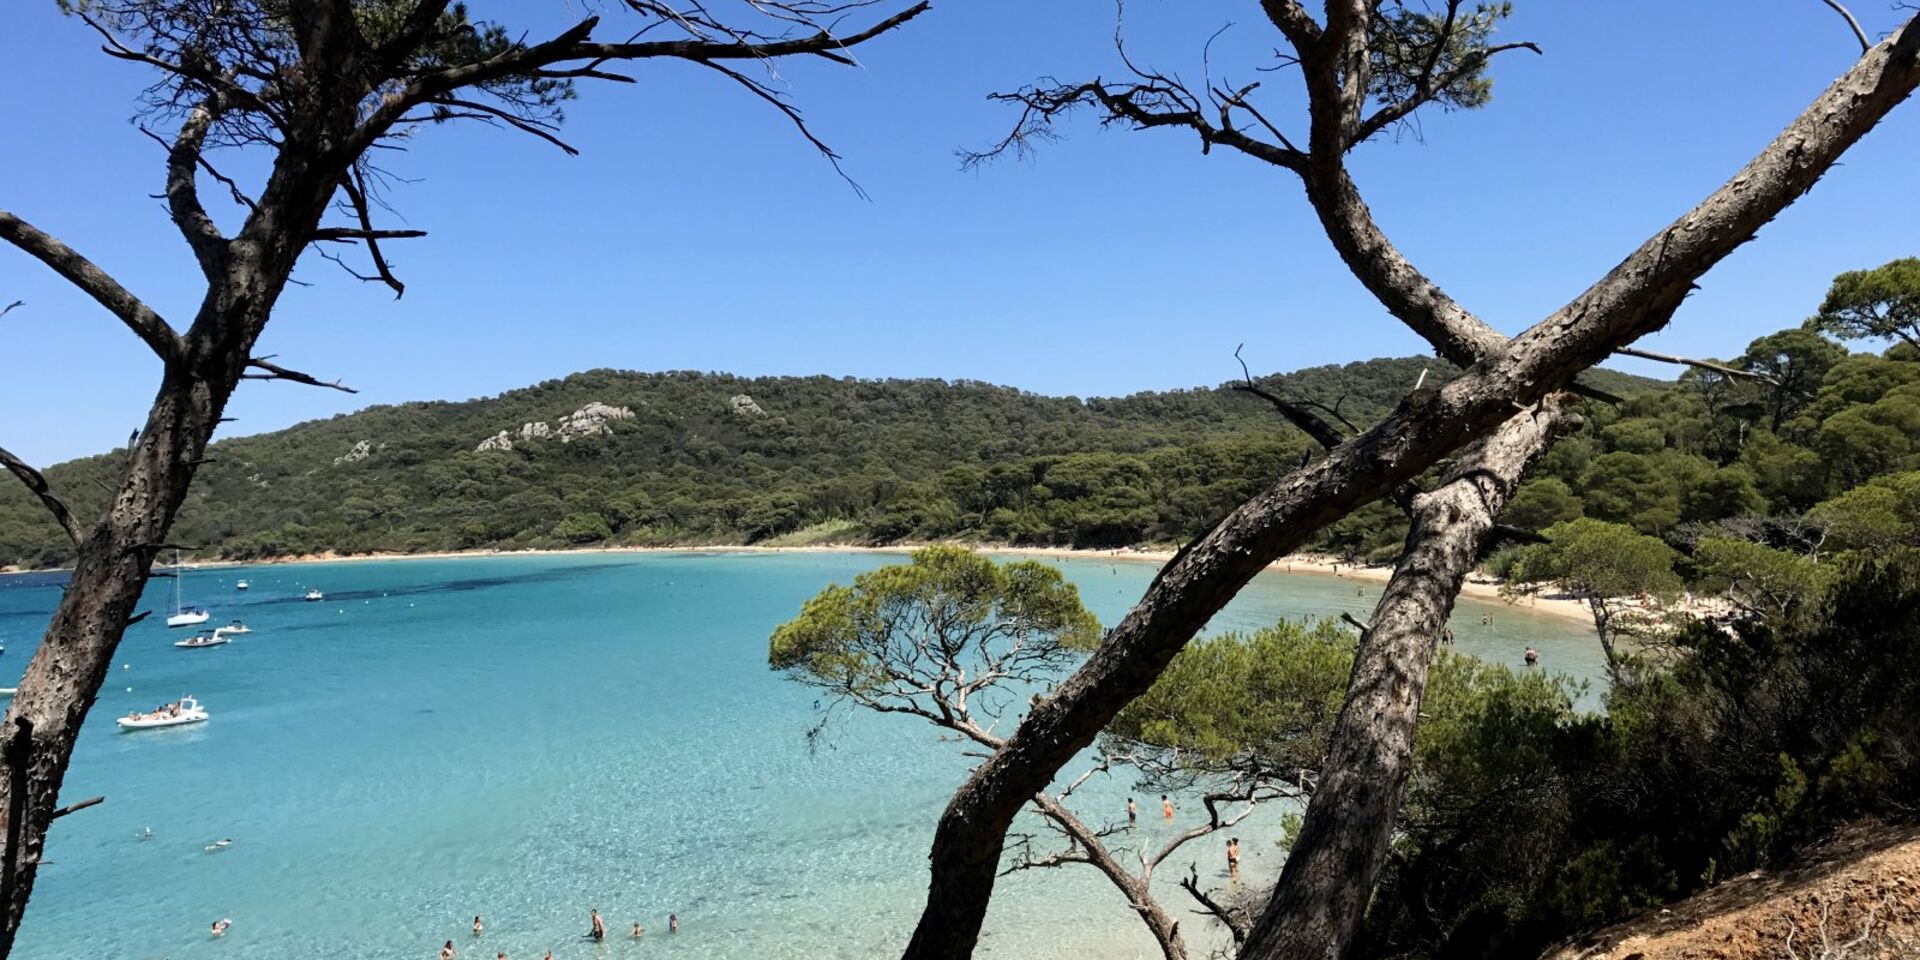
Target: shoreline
{"points": [[1558, 607]]}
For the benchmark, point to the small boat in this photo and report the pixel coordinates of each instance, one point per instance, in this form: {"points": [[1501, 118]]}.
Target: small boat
{"points": [[233, 629], [241, 585], [315, 595], [184, 710], [183, 616], [202, 640]]}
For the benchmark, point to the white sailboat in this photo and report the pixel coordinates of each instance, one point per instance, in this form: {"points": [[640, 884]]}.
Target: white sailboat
{"points": [[316, 595], [183, 616]]}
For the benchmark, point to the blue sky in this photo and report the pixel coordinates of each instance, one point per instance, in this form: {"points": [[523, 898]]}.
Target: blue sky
{"points": [[698, 231]]}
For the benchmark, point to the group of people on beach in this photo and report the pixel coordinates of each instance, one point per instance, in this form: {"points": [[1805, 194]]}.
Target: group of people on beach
{"points": [[596, 931]]}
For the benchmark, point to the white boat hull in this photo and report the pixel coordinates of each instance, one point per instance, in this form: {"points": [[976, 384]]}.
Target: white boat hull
{"points": [[195, 643], [188, 619], [149, 723]]}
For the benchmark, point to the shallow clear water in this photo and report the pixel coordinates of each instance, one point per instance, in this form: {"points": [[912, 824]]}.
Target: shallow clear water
{"points": [[528, 737]]}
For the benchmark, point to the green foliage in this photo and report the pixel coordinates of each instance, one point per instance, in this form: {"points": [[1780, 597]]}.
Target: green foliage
{"points": [[1407, 45], [1773, 583], [1274, 693], [1881, 303], [1883, 514], [946, 608], [1526, 821], [870, 461], [1594, 558], [1540, 503]]}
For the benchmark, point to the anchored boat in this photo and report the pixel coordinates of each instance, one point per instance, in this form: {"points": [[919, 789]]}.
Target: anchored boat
{"points": [[182, 711]]}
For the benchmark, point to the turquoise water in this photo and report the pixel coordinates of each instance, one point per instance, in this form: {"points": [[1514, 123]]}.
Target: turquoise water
{"points": [[528, 737]]}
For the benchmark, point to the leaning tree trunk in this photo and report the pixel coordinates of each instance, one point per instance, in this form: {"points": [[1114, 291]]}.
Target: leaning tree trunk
{"points": [[202, 367], [1316, 909], [1635, 298], [66, 671]]}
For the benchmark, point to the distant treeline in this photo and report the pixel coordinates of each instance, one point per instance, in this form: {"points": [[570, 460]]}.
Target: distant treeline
{"points": [[713, 458]]}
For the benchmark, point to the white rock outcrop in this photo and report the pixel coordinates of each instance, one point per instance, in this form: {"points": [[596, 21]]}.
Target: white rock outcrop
{"points": [[587, 421], [744, 406], [360, 451]]}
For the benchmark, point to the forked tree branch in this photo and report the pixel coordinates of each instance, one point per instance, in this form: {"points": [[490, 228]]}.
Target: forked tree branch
{"points": [[37, 483], [1319, 430], [1233, 920], [574, 44], [81, 272], [275, 371]]}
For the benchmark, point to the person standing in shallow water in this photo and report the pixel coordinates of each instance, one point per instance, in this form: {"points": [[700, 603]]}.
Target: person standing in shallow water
{"points": [[1133, 812], [1166, 807], [447, 952], [599, 929], [1533, 657], [1233, 858], [673, 923], [477, 925]]}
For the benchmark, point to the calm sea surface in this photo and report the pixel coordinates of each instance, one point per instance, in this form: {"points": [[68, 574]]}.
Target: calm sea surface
{"points": [[528, 737]]}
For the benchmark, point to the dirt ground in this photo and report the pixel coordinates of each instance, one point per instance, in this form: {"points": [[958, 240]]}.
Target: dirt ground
{"points": [[1855, 897]]}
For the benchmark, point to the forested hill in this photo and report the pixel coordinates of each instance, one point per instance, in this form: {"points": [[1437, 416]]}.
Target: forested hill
{"points": [[645, 458]]}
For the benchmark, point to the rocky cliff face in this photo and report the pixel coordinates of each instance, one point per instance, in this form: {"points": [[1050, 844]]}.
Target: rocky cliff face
{"points": [[592, 419]]}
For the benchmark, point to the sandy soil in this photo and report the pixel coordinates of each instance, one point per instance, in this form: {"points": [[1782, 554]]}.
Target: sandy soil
{"points": [[1856, 896]]}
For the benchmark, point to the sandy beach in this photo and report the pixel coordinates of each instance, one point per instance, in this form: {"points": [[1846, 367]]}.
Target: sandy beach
{"points": [[1568, 608]]}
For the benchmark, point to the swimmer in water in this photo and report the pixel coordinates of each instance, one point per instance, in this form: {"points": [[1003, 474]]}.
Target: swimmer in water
{"points": [[447, 952], [1133, 812], [220, 927], [638, 930], [599, 930], [673, 923], [219, 845], [1533, 657], [477, 925], [146, 833]]}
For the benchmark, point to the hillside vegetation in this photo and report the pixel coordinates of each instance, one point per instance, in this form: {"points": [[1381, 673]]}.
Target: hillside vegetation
{"points": [[713, 458]]}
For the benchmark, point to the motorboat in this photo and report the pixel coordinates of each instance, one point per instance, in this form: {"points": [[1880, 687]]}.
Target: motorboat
{"points": [[315, 595], [182, 711], [241, 584], [202, 640], [183, 616], [234, 629]]}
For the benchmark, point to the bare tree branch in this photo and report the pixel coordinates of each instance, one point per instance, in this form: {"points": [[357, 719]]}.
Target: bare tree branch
{"points": [[355, 188], [1721, 369], [106, 291], [1319, 430], [1234, 920], [77, 807], [275, 371], [1858, 34], [37, 483]]}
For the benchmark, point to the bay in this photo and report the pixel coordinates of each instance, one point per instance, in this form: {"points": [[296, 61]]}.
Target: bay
{"points": [[526, 737]]}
